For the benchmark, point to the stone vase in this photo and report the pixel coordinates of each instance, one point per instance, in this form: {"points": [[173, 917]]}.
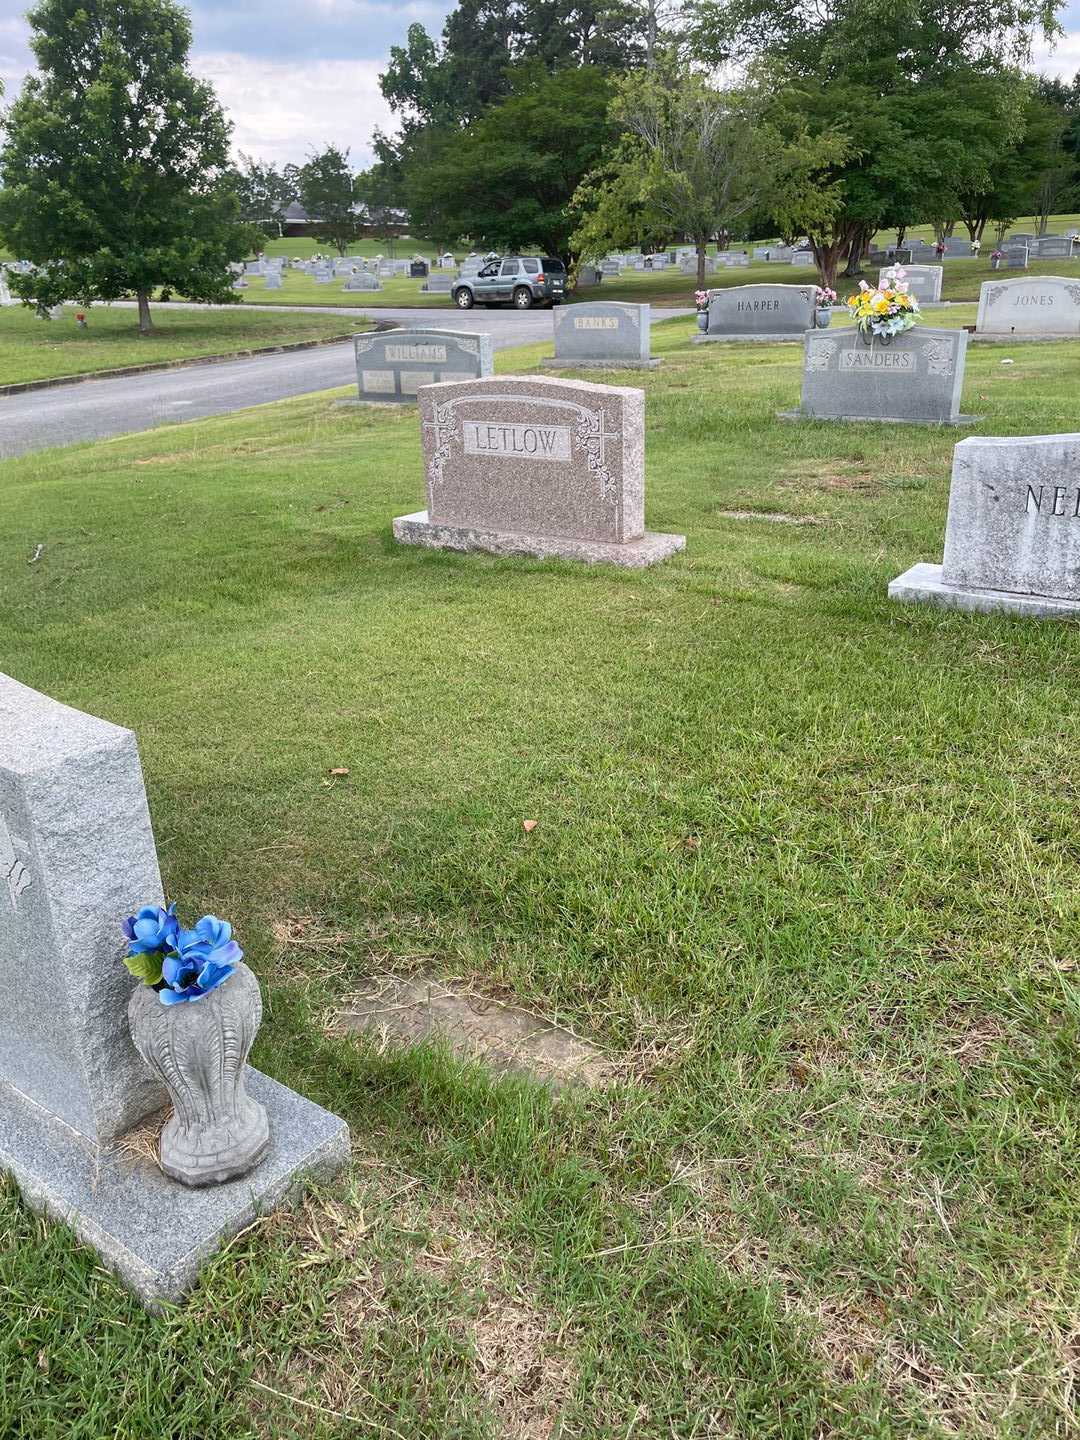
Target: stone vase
{"points": [[703, 321], [824, 317], [198, 1050]]}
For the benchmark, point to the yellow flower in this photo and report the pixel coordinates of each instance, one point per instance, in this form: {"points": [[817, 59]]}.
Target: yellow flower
{"points": [[882, 307]]}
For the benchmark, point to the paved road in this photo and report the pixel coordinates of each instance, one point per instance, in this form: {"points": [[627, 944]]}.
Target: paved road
{"points": [[95, 409]]}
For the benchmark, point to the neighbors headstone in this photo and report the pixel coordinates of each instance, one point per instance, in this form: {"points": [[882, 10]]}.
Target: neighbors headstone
{"points": [[392, 365], [916, 378], [418, 270], [1012, 538], [760, 312], [1054, 247], [957, 248], [1034, 305], [802, 257], [526, 466], [924, 282], [602, 334], [438, 284], [362, 280], [272, 280], [76, 857], [781, 255], [1016, 258]]}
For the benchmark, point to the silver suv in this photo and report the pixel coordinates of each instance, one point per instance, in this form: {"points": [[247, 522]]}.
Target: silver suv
{"points": [[519, 280]]}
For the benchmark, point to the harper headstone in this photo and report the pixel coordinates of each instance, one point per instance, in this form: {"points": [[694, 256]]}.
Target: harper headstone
{"points": [[602, 334], [915, 378], [1040, 305], [392, 365], [1012, 538], [526, 466], [76, 857], [760, 312]]}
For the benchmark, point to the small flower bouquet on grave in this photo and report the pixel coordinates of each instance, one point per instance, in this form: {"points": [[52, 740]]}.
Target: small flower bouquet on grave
{"points": [[701, 299], [887, 311], [179, 964], [825, 296]]}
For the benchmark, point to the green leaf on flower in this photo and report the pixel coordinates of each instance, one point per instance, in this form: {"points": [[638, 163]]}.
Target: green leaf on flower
{"points": [[146, 968]]}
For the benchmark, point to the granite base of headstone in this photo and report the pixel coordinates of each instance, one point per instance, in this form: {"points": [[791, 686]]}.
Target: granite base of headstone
{"points": [[1012, 537], [1035, 307], [915, 378], [393, 365], [76, 857], [523, 466], [602, 335], [759, 313]]}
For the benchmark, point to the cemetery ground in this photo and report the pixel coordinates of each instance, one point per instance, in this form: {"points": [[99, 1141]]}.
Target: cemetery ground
{"points": [[803, 867], [33, 349]]}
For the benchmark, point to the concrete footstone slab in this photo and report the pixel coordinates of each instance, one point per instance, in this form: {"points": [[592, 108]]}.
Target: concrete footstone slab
{"points": [[154, 1235], [417, 529], [960, 422], [551, 363], [923, 585]]}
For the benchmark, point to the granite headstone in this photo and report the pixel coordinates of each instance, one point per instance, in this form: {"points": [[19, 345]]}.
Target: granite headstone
{"points": [[760, 312], [603, 334], [915, 378], [392, 365], [1035, 305]]}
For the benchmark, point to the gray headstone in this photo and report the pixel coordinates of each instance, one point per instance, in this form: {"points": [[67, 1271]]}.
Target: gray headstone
{"points": [[781, 255], [802, 257], [924, 282], [766, 311], [917, 377], [1054, 247], [76, 857], [1033, 305], [526, 466], [439, 284], [602, 333], [957, 247], [393, 364], [362, 280], [273, 280], [1016, 258], [1012, 538]]}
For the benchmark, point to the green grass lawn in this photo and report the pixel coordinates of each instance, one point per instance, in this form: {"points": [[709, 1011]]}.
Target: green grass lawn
{"points": [[804, 864], [33, 349]]}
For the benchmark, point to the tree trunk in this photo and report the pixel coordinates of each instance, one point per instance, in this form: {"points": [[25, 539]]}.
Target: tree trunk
{"points": [[702, 245], [146, 325], [828, 260], [856, 249], [901, 231]]}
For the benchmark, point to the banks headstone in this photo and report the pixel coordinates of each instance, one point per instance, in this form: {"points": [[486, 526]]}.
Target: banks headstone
{"points": [[602, 334], [77, 856], [915, 378], [526, 466], [1012, 537], [760, 312]]}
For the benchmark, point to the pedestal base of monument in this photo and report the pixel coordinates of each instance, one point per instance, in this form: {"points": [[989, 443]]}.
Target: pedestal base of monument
{"points": [[152, 1233], [631, 554], [552, 362], [923, 585], [988, 337], [959, 421], [747, 339]]}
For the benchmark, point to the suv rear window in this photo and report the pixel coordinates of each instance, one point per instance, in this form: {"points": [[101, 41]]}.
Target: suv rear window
{"points": [[532, 267], [553, 263]]}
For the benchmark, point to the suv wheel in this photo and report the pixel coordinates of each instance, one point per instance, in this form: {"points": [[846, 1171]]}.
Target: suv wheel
{"points": [[523, 298], [463, 299]]}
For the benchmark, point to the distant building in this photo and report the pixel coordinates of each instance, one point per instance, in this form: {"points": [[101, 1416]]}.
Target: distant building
{"points": [[297, 222]]}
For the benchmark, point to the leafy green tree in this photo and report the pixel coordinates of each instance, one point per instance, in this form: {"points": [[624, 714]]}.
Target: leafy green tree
{"points": [[113, 170], [263, 194], [327, 189], [506, 180]]}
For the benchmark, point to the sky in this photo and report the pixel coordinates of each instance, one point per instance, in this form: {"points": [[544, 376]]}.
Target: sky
{"points": [[296, 75]]}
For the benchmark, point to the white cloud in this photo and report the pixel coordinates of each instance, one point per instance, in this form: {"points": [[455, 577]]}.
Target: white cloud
{"points": [[1062, 60], [283, 110]]}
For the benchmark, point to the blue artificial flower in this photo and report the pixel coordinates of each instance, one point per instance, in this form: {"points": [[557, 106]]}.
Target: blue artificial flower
{"points": [[151, 929], [203, 959]]}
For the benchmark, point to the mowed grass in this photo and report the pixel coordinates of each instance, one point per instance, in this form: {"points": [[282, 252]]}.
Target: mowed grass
{"points": [[33, 349], [804, 864]]}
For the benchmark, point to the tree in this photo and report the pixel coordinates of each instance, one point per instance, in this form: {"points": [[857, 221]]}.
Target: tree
{"points": [[113, 171], [692, 160], [263, 194], [506, 180], [328, 194], [381, 189]]}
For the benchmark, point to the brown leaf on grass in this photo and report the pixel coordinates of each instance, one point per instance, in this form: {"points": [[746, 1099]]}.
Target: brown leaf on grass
{"points": [[528, 826], [339, 770]]}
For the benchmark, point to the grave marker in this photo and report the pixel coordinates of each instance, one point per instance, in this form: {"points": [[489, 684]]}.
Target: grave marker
{"points": [[526, 466], [1037, 305], [392, 365], [602, 334], [760, 312]]}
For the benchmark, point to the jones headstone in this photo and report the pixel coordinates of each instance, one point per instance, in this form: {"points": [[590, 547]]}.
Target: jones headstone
{"points": [[392, 365], [602, 334], [1034, 305], [1012, 538], [917, 377], [760, 312], [76, 856], [525, 466]]}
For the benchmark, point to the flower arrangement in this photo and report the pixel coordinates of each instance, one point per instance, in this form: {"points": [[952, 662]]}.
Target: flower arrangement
{"points": [[701, 299], [886, 311], [179, 964], [997, 255], [825, 296]]}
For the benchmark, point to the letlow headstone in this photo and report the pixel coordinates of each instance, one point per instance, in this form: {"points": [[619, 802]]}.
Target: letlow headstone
{"points": [[924, 282], [916, 378], [76, 856], [1012, 538], [602, 334], [760, 312], [526, 466], [393, 364], [1036, 305]]}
